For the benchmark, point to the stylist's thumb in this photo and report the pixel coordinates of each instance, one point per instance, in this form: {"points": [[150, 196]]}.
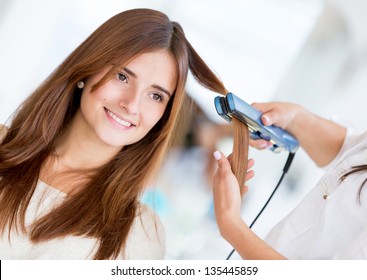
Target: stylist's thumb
{"points": [[224, 167]]}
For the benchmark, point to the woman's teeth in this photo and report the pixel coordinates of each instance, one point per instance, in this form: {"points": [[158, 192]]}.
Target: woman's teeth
{"points": [[117, 119]]}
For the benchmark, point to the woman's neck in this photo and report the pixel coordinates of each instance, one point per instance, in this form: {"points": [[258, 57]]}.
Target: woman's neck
{"points": [[80, 148], [77, 154]]}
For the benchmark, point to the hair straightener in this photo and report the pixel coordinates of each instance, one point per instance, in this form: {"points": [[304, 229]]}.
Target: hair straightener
{"points": [[231, 106]]}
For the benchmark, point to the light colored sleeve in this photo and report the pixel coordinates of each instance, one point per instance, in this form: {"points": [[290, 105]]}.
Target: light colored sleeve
{"points": [[352, 139], [146, 240], [357, 250]]}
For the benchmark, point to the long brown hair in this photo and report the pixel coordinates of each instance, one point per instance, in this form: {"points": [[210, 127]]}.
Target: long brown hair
{"points": [[109, 201]]}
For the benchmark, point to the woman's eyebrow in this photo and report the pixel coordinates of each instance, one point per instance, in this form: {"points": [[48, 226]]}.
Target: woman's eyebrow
{"points": [[130, 72], [162, 89]]}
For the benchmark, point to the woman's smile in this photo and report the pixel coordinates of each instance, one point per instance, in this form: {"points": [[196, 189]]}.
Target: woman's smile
{"points": [[118, 120]]}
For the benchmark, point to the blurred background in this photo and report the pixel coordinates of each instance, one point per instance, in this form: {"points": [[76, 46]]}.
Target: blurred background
{"points": [[311, 52]]}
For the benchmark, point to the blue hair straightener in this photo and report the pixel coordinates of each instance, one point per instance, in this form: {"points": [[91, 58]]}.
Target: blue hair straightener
{"points": [[232, 106]]}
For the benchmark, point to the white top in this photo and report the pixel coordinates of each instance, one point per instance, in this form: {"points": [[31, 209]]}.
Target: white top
{"points": [[145, 241], [332, 228]]}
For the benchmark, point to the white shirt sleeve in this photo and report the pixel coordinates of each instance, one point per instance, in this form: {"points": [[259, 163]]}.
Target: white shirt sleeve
{"points": [[146, 240], [352, 139], [357, 250]]}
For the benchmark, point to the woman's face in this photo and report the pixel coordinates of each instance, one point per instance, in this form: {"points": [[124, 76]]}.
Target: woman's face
{"points": [[124, 109]]}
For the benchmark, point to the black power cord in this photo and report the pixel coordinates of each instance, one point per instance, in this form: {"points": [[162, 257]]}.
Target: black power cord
{"points": [[285, 169]]}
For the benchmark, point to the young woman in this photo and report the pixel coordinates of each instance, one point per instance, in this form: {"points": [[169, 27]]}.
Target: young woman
{"points": [[331, 221], [80, 150]]}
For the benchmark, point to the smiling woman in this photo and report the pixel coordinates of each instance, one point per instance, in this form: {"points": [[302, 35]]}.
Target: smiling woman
{"points": [[92, 136]]}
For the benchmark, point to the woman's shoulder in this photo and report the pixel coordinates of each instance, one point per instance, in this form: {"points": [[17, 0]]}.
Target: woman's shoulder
{"points": [[149, 219], [3, 130], [147, 238], [354, 143]]}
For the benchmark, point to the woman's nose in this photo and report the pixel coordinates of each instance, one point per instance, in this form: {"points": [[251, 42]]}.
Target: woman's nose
{"points": [[130, 100]]}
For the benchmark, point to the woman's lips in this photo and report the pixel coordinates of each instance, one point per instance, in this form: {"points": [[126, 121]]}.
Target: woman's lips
{"points": [[118, 119]]}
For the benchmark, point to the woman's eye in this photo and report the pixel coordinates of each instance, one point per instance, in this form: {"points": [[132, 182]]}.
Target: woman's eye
{"points": [[122, 77], [158, 97]]}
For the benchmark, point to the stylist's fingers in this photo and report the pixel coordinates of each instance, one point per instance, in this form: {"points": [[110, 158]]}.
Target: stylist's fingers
{"points": [[230, 158], [226, 192], [280, 114], [224, 166], [225, 174], [226, 163], [224, 178], [270, 113], [259, 144], [250, 163], [244, 190], [250, 174]]}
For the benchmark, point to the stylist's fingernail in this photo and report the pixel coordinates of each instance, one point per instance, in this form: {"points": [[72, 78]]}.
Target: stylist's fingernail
{"points": [[265, 119], [263, 144], [217, 155]]}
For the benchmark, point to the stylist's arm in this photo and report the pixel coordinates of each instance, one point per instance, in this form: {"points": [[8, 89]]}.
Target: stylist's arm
{"points": [[227, 207]]}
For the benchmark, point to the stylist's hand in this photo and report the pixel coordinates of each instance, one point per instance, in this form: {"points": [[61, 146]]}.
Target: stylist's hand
{"points": [[227, 194], [280, 114]]}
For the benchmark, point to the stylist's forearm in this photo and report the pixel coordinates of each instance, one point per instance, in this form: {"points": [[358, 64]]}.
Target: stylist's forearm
{"points": [[247, 243], [320, 138]]}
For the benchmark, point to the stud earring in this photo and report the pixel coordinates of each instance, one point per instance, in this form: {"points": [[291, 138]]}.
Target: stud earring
{"points": [[80, 84]]}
